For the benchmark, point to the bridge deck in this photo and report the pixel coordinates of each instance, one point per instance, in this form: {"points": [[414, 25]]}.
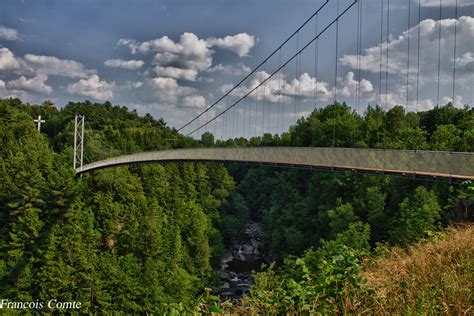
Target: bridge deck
{"points": [[454, 165]]}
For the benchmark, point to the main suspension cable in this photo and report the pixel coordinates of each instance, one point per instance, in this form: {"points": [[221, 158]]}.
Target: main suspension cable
{"points": [[256, 68], [279, 68]]}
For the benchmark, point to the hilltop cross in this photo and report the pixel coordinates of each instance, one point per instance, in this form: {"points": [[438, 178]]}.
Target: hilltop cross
{"points": [[39, 121]]}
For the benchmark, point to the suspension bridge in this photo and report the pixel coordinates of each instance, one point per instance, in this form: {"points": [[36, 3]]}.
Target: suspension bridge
{"points": [[292, 80]]}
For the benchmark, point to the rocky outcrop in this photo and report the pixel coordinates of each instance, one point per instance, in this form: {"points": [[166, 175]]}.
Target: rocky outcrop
{"points": [[245, 258]]}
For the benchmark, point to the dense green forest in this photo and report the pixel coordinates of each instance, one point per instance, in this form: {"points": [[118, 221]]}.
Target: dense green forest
{"points": [[138, 238]]}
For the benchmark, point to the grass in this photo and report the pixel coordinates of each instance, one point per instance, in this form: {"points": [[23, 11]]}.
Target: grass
{"points": [[433, 276]]}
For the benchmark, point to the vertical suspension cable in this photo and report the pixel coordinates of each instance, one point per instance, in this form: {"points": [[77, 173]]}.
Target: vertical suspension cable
{"points": [[359, 52], [198, 124], [381, 53], [295, 141], [279, 95], [335, 77], [299, 86], [225, 126], [418, 59], [237, 134], [455, 40], [439, 52], [408, 50], [283, 103], [267, 96], [256, 111], [336, 55], [386, 64], [233, 122], [316, 76], [244, 118], [263, 102], [245, 129]]}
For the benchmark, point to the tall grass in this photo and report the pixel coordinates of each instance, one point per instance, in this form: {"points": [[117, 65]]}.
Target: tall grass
{"points": [[433, 276]]}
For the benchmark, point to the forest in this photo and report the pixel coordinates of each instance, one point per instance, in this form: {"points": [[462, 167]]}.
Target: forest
{"points": [[147, 238]]}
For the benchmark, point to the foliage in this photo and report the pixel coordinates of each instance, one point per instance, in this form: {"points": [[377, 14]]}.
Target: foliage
{"points": [[129, 239]]}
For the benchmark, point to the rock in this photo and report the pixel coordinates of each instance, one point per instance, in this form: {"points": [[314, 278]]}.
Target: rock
{"points": [[254, 243], [226, 285], [227, 294], [241, 256], [256, 252], [247, 249], [224, 275]]}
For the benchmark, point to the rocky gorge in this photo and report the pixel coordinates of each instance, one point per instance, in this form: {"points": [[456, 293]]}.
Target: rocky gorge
{"points": [[245, 257]]}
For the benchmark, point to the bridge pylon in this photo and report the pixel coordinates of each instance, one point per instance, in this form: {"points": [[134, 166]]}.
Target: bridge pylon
{"points": [[78, 141]]}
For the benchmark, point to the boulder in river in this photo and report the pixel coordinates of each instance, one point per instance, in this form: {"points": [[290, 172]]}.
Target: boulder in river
{"points": [[224, 275], [255, 244]]}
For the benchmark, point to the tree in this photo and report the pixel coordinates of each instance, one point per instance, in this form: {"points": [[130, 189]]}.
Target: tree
{"points": [[207, 139], [418, 215]]}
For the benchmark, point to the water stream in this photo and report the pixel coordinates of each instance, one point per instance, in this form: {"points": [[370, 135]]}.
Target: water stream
{"points": [[244, 259]]}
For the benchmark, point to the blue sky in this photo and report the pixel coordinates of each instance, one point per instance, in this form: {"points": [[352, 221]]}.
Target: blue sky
{"points": [[174, 58]]}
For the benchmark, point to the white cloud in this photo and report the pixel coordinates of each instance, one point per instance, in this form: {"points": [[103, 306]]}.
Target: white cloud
{"points": [[445, 3], [230, 70], [176, 73], [458, 101], [125, 64], [465, 59], [9, 34], [93, 87], [166, 98], [429, 31], [278, 88], [350, 87], [8, 60], [162, 89], [194, 101], [241, 43], [35, 84], [51, 65], [190, 55]]}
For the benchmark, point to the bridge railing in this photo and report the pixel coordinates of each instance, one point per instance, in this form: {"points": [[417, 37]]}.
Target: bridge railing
{"points": [[431, 163]]}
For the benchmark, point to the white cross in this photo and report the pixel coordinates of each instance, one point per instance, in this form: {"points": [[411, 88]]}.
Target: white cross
{"points": [[39, 121]]}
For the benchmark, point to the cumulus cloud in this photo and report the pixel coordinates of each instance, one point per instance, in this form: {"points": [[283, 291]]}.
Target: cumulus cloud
{"points": [[230, 70], [194, 101], [278, 88], [350, 87], [429, 31], [176, 73], [163, 89], [125, 64], [8, 60], [51, 65], [32, 65], [93, 87], [35, 84], [9, 34], [465, 59], [241, 43], [164, 97], [184, 59]]}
